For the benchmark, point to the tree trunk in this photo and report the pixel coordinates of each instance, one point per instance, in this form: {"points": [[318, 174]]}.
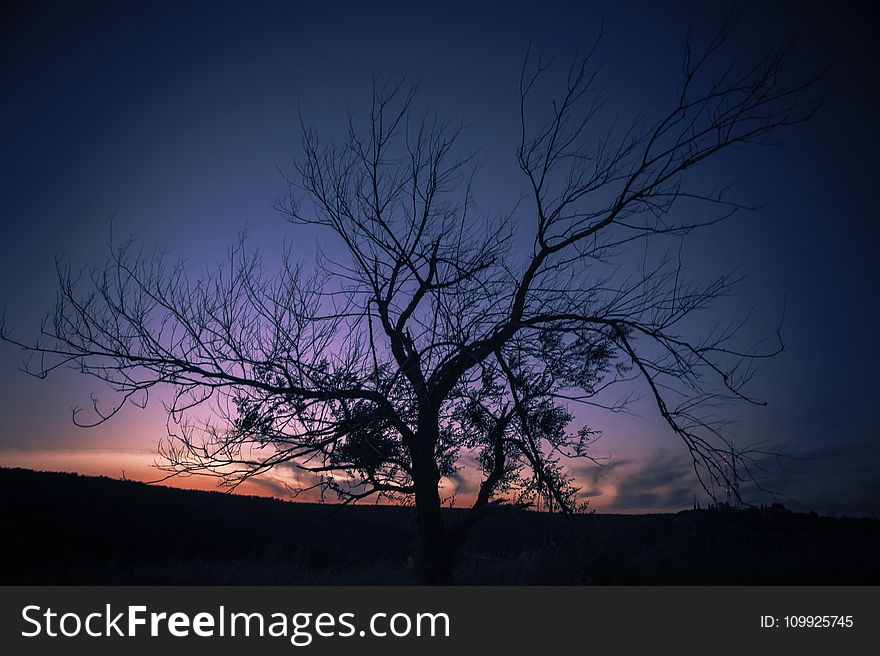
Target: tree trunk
{"points": [[435, 552]]}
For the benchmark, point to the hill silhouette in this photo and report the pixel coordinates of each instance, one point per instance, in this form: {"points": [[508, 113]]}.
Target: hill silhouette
{"points": [[64, 528]]}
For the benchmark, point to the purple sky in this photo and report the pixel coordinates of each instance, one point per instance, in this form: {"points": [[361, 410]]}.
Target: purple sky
{"points": [[174, 121]]}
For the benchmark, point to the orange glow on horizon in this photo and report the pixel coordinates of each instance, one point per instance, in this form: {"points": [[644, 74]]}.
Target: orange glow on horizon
{"points": [[138, 465]]}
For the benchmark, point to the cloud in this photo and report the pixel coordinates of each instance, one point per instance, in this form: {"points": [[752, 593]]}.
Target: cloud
{"points": [[590, 493], [269, 486], [841, 476], [663, 482], [596, 474]]}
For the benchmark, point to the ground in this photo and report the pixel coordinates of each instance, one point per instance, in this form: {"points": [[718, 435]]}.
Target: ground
{"points": [[70, 529]]}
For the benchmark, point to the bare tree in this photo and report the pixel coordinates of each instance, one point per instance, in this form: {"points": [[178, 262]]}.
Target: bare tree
{"points": [[432, 337]]}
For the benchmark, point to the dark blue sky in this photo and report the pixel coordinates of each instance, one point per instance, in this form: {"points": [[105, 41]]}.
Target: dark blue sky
{"points": [[174, 120]]}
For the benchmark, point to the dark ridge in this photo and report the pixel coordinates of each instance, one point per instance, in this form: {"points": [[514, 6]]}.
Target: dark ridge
{"points": [[64, 528]]}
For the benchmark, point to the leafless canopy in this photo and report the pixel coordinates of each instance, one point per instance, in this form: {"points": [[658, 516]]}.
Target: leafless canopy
{"points": [[435, 335]]}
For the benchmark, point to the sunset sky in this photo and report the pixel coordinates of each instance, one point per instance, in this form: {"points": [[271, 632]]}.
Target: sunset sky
{"points": [[175, 120]]}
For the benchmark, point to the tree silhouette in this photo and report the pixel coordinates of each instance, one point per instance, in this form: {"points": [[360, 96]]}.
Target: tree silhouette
{"points": [[436, 334]]}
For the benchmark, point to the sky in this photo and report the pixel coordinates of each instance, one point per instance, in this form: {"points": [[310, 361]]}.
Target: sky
{"points": [[174, 119]]}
